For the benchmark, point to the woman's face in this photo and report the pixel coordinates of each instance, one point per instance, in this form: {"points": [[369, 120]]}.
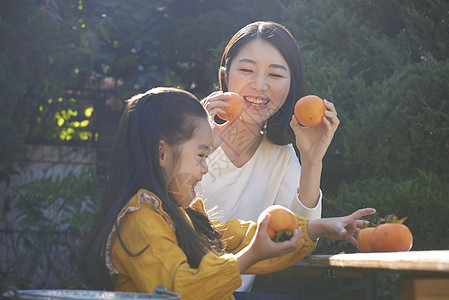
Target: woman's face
{"points": [[261, 75], [184, 165]]}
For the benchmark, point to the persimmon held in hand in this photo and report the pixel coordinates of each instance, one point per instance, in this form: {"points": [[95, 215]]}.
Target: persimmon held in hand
{"points": [[390, 235], [309, 110], [282, 224], [235, 108]]}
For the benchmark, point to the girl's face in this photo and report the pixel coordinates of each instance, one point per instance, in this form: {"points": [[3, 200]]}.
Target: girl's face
{"points": [[261, 75], [184, 165]]}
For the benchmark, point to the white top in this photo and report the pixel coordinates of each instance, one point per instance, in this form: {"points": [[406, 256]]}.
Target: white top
{"points": [[270, 177]]}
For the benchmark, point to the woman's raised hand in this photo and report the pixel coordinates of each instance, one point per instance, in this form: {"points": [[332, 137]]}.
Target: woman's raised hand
{"points": [[215, 102], [313, 142], [213, 105]]}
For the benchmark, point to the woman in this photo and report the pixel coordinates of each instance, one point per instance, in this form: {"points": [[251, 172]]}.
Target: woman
{"points": [[255, 164]]}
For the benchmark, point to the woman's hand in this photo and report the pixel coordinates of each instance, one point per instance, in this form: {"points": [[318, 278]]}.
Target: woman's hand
{"points": [[213, 105], [262, 247], [313, 142], [215, 102], [340, 228]]}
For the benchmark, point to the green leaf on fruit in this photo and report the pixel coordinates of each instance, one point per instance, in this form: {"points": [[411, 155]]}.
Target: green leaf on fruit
{"points": [[282, 236]]}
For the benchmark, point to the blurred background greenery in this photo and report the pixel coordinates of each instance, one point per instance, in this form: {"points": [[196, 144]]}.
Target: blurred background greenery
{"points": [[383, 63]]}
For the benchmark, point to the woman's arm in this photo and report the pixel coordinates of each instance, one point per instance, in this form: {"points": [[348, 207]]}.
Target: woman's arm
{"points": [[313, 143], [309, 183], [339, 228], [288, 190]]}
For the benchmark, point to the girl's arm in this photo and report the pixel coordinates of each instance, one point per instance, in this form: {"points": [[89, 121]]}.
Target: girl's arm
{"points": [[164, 263], [256, 253], [261, 255]]}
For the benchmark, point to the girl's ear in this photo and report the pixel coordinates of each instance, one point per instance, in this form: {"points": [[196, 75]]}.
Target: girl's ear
{"points": [[163, 153]]}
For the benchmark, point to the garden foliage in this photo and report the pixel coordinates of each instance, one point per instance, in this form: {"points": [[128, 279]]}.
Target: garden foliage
{"points": [[51, 215], [384, 64]]}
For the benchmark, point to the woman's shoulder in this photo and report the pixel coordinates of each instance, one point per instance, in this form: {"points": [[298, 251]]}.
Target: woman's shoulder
{"points": [[274, 150]]}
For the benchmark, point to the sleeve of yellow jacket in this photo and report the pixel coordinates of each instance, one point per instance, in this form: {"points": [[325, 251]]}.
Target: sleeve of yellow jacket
{"points": [[164, 263], [237, 234]]}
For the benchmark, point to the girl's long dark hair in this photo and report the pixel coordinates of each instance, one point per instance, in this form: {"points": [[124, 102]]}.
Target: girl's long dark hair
{"points": [[278, 126], [160, 114]]}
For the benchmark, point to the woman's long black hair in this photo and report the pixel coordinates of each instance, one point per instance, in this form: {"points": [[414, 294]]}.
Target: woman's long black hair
{"points": [[278, 126], [167, 114]]}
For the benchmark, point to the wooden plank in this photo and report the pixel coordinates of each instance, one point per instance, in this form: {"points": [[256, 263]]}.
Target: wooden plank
{"points": [[434, 261], [295, 271], [425, 289]]}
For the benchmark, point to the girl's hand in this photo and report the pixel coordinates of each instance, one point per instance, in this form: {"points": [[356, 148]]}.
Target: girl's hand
{"points": [[262, 247], [313, 142], [213, 105], [265, 247], [340, 228]]}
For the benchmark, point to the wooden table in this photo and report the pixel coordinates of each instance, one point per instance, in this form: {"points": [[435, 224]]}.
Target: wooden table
{"points": [[424, 274]]}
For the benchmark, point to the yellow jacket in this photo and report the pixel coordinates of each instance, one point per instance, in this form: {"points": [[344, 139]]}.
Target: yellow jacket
{"points": [[143, 223]]}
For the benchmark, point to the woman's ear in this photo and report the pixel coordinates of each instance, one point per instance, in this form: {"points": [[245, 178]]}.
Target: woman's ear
{"points": [[163, 153], [225, 75]]}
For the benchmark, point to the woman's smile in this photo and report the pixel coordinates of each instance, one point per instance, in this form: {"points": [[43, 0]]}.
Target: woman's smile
{"points": [[262, 78], [256, 103]]}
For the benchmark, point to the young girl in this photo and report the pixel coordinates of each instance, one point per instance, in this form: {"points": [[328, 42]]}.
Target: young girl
{"points": [[255, 165], [148, 231]]}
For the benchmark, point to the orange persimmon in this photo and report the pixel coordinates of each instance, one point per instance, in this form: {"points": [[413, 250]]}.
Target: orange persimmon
{"points": [[282, 224], [235, 108], [309, 110], [388, 235], [364, 239], [391, 237]]}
